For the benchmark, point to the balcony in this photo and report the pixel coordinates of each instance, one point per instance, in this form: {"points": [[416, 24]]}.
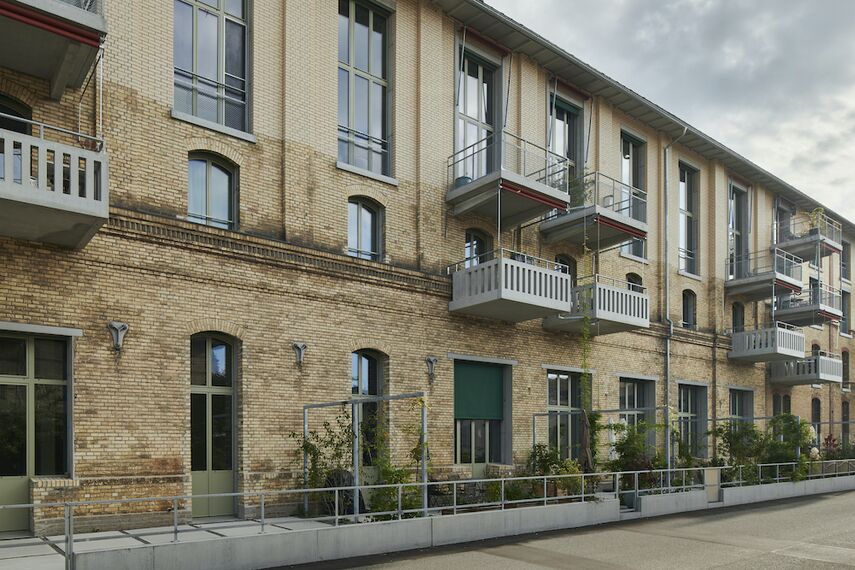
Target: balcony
{"points": [[816, 305], [781, 342], [602, 213], [57, 40], [532, 180], [804, 237], [607, 305], [52, 192], [763, 274], [815, 369], [509, 286]]}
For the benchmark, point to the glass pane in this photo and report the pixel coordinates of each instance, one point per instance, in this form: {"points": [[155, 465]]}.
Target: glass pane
{"points": [[552, 381], [13, 430], [196, 191], [553, 430], [465, 427], [51, 430], [198, 371], [221, 202], [221, 432], [360, 38], [360, 105], [183, 92], [221, 363], [354, 373], [378, 111], [487, 97], [472, 90], [13, 357], [343, 94], [206, 100], [368, 242], [51, 359], [495, 442], [480, 441], [344, 31], [563, 389], [182, 36], [378, 47], [235, 49], [352, 226], [206, 44], [235, 8], [563, 436], [198, 432], [373, 377]]}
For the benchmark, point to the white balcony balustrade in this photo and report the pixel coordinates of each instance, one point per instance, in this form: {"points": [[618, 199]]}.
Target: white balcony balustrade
{"points": [[603, 305], [803, 237], [780, 342], [818, 368], [52, 192], [763, 274], [603, 212], [509, 286], [815, 305], [532, 180]]}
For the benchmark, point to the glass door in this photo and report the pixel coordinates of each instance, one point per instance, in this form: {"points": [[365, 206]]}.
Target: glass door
{"points": [[212, 425]]}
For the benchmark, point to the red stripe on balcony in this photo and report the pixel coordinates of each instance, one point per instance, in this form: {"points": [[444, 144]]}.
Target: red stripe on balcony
{"points": [[787, 285], [532, 195], [629, 230], [52, 25]]}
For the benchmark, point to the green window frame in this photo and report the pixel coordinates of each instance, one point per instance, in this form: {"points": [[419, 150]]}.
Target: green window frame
{"points": [[211, 60], [363, 87]]}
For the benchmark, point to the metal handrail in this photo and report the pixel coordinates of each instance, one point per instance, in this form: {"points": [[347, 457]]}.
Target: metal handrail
{"points": [[43, 126], [762, 261], [599, 279], [503, 253]]}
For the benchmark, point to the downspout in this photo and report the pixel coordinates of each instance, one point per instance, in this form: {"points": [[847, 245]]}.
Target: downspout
{"points": [[667, 309]]}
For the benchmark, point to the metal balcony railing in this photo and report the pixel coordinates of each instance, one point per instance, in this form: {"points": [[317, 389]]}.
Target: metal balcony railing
{"points": [[760, 262], [604, 297], [780, 339], [598, 189], [823, 295], [505, 151], [819, 367], [92, 6], [818, 224]]}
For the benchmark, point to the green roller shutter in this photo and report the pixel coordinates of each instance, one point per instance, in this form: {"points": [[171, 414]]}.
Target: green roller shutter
{"points": [[478, 391]]}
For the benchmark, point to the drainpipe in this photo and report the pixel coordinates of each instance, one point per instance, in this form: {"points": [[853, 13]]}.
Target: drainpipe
{"points": [[667, 309]]}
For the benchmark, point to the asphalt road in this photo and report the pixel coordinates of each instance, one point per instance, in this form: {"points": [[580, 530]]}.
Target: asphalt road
{"points": [[810, 532]]}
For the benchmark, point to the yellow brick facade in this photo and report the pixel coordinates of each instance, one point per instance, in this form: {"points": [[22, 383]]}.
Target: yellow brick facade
{"points": [[284, 275]]}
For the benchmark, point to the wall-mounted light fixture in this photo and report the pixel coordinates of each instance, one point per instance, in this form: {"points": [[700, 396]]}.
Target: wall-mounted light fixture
{"points": [[430, 362], [299, 351], [117, 330]]}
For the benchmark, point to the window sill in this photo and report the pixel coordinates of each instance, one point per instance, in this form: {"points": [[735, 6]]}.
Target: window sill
{"points": [[366, 173], [212, 126], [846, 335], [634, 258], [685, 273]]}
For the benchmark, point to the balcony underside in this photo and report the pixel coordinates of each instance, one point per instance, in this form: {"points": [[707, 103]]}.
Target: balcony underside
{"points": [[576, 324], [760, 286], [593, 224], [808, 380], [51, 40], [808, 314], [522, 199], [805, 246], [505, 307], [770, 354]]}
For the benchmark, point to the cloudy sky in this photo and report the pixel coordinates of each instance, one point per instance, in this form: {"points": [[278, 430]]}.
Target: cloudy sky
{"points": [[772, 79]]}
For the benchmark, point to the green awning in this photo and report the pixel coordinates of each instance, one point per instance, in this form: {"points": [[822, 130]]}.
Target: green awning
{"points": [[478, 391]]}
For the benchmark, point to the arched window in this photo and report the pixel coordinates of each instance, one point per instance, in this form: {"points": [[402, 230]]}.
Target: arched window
{"points": [[816, 417], [844, 430], [567, 264], [690, 309], [212, 191], [364, 223], [14, 108], [477, 248], [815, 349], [367, 380], [845, 357], [786, 404], [635, 282], [776, 405], [213, 367], [737, 316]]}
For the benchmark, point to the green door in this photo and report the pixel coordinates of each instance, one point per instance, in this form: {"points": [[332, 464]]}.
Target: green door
{"points": [[212, 425], [33, 419], [478, 414]]}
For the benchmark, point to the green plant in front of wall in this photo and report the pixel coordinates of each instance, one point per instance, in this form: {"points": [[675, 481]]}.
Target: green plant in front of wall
{"points": [[327, 450], [632, 452], [546, 461], [816, 216]]}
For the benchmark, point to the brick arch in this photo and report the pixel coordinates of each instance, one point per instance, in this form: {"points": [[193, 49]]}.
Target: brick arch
{"points": [[208, 144], [17, 91], [382, 348], [356, 190], [213, 324]]}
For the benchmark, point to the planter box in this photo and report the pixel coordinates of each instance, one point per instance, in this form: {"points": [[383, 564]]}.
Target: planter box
{"points": [[669, 503]]}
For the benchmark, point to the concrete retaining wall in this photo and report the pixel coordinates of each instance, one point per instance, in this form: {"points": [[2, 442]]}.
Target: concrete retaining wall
{"points": [[670, 503]]}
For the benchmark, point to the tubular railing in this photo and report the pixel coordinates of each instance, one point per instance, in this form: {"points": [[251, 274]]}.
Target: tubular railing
{"points": [[598, 189], [93, 6], [763, 261], [817, 295], [509, 152], [820, 225]]}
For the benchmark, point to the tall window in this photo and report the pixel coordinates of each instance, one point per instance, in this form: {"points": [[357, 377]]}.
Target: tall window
{"points": [[845, 358], [692, 418], [737, 227], [776, 404], [742, 405], [362, 87], [737, 311], [210, 59], [479, 403], [565, 133], [844, 418], [635, 282], [635, 395], [567, 264], [564, 396], [689, 205], [34, 403], [211, 192], [846, 321], [786, 403], [364, 223], [366, 381], [690, 309], [816, 418], [477, 248], [632, 177], [475, 119], [845, 261]]}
